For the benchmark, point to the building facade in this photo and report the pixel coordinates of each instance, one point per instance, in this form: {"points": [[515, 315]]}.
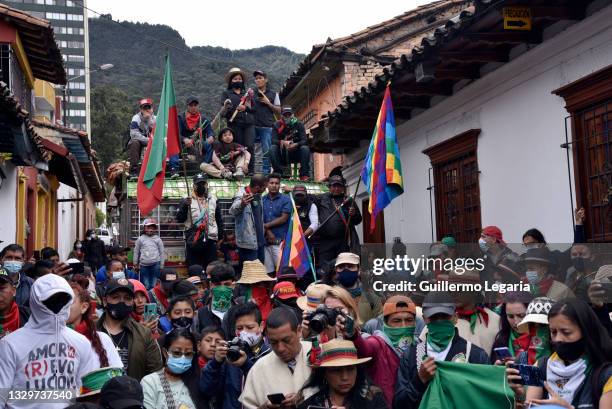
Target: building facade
{"points": [[69, 21]]}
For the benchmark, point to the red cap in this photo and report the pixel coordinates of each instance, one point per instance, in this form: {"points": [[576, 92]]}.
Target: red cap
{"points": [[285, 290], [495, 232], [145, 101]]}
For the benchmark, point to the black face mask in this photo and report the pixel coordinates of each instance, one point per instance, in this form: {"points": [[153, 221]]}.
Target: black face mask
{"points": [[569, 351], [300, 200], [201, 190], [581, 264], [119, 311], [236, 85], [182, 322]]}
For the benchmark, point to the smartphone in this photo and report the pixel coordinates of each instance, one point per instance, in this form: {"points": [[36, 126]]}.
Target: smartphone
{"points": [[150, 312], [530, 375], [607, 287], [276, 398], [503, 353], [349, 325], [77, 268]]}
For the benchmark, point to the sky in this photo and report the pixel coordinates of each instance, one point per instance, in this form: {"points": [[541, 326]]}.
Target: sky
{"points": [[241, 24]]}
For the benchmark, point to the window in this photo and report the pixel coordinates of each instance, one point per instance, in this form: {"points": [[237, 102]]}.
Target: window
{"points": [[74, 17], [77, 100], [456, 188], [589, 101], [55, 16], [76, 112], [76, 85], [68, 30], [76, 71], [74, 58]]}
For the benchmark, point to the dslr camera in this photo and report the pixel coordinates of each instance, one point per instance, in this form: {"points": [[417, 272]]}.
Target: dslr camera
{"points": [[234, 347], [322, 318]]}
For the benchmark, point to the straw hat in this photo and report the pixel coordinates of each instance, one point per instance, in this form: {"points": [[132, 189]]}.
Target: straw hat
{"points": [[315, 295], [537, 313], [339, 352], [234, 71], [93, 381], [254, 272]]}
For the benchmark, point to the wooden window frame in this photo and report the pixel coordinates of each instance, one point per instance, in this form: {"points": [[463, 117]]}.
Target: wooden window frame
{"points": [[441, 154], [581, 95]]}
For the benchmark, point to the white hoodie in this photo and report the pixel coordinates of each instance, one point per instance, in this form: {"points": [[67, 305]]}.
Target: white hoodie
{"points": [[44, 354]]}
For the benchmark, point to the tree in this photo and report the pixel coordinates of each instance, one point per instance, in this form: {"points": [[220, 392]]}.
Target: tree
{"points": [[111, 113], [100, 217]]}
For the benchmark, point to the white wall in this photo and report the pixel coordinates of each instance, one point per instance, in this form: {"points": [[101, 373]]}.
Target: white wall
{"points": [[523, 181], [67, 220], [8, 206]]}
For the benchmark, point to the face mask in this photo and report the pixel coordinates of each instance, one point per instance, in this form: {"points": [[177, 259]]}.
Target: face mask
{"points": [[533, 277], [119, 311], [570, 351], [222, 297], [399, 336], [13, 267], [347, 278], [251, 338], [94, 236], [355, 292], [178, 365], [79, 246], [483, 245], [440, 334], [201, 190], [581, 264], [238, 84], [118, 275], [150, 233], [182, 322]]}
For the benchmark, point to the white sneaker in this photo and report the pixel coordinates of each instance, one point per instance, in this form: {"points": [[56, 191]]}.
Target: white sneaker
{"points": [[226, 174]]}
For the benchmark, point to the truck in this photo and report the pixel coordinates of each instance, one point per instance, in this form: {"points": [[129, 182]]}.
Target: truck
{"points": [[127, 219]]}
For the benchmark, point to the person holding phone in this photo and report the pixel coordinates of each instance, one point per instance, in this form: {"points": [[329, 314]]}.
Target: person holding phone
{"points": [[248, 215], [579, 373], [340, 381], [513, 311], [387, 346], [141, 299]]}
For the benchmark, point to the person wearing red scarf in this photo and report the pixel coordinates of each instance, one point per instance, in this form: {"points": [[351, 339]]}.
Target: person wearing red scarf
{"points": [[197, 135], [12, 317], [537, 265], [255, 285]]}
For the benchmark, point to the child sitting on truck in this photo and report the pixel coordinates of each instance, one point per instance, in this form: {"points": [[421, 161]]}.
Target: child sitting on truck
{"points": [[229, 158]]}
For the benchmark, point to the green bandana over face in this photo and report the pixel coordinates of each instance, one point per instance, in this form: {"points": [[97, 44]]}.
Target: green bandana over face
{"points": [[221, 298], [440, 334], [542, 344], [399, 336]]}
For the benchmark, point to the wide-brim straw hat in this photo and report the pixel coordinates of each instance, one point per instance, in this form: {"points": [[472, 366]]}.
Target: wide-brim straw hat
{"points": [[315, 295], [254, 272], [339, 352], [537, 313], [234, 71]]}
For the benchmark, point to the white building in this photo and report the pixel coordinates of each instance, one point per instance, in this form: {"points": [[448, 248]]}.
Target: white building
{"points": [[491, 139]]}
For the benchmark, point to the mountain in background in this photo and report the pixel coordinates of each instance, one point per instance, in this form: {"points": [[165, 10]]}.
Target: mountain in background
{"points": [[137, 54], [138, 60]]}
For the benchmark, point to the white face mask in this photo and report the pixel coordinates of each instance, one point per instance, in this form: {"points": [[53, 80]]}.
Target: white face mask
{"points": [[251, 338], [118, 275]]}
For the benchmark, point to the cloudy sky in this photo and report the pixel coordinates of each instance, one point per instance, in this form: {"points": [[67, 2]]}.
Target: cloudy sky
{"points": [[241, 24]]}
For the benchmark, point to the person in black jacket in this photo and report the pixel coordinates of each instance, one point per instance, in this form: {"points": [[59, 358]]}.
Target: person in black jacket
{"points": [[290, 145], [243, 124], [197, 135], [214, 313], [94, 249], [336, 235], [443, 343]]}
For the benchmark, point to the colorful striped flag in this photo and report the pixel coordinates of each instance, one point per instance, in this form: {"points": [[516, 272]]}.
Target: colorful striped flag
{"points": [[163, 144], [382, 169], [294, 249]]}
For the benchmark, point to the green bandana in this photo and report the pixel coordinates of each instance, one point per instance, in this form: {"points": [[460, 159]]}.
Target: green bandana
{"points": [[440, 334], [399, 336], [542, 347], [221, 298]]}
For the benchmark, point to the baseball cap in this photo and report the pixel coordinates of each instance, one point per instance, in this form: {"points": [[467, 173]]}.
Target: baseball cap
{"points": [[192, 99], [449, 241], [149, 222], [4, 277], [299, 190], [336, 180], [199, 178], [168, 276], [145, 101], [195, 270], [286, 110], [120, 284], [260, 72], [398, 303], [285, 290], [347, 258], [183, 288], [121, 392], [113, 251], [437, 303]]}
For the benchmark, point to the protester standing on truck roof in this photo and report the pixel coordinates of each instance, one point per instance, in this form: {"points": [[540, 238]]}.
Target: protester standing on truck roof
{"points": [[267, 106], [197, 135], [203, 223]]}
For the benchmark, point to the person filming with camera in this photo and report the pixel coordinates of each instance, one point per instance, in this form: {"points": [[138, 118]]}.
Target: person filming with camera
{"points": [[233, 359]]}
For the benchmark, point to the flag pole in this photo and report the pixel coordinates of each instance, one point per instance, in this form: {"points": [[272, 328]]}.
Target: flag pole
{"points": [[348, 222]]}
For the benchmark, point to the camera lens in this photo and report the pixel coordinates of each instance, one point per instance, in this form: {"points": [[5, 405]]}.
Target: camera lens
{"points": [[318, 323]]}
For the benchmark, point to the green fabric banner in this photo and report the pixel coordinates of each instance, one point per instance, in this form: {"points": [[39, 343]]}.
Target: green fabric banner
{"points": [[459, 385]]}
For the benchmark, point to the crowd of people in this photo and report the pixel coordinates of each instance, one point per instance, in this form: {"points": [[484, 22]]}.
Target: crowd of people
{"points": [[244, 333], [251, 116]]}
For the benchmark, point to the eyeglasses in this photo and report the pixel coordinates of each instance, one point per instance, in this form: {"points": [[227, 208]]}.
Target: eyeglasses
{"points": [[181, 354]]}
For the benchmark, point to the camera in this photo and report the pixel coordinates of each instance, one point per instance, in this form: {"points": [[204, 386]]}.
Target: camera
{"points": [[234, 347], [322, 318]]}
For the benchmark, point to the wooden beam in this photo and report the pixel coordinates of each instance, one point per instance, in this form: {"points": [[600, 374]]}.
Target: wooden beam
{"points": [[506, 37], [461, 73], [425, 89], [475, 56]]}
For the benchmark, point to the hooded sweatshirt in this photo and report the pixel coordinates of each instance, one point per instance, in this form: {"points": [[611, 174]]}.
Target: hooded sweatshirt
{"points": [[44, 354]]}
